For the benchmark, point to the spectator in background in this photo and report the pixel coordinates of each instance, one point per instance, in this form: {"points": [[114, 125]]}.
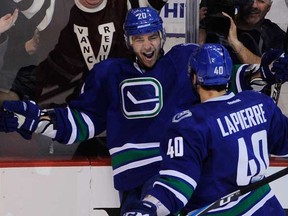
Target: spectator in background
{"points": [[6, 22], [250, 33], [22, 39]]}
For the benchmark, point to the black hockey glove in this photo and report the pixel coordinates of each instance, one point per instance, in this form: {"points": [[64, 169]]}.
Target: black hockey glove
{"points": [[28, 113], [276, 72], [24, 84], [143, 208]]}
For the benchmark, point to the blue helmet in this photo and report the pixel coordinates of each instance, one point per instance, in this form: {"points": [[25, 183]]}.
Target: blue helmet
{"points": [[212, 64], [143, 20]]}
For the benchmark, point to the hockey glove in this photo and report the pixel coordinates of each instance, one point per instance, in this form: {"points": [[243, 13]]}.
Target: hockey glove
{"points": [[8, 121], [28, 113], [280, 68], [144, 208], [276, 72]]}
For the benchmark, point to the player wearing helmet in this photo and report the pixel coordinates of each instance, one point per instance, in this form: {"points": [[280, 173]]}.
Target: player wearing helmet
{"points": [[131, 100], [144, 33], [211, 58], [215, 147], [93, 33]]}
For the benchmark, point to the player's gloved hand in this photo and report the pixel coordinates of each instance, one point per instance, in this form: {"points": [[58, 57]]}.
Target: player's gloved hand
{"points": [[273, 67], [144, 208], [8, 121], [28, 114], [280, 68]]}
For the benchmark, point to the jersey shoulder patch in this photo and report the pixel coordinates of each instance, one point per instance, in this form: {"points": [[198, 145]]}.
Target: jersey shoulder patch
{"points": [[182, 115]]}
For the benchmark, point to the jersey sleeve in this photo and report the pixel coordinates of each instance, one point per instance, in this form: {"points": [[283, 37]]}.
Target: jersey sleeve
{"points": [[278, 133], [85, 116], [242, 79], [183, 147], [239, 80]]}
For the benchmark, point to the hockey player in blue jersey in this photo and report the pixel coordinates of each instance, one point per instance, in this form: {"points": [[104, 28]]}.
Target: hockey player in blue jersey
{"points": [[218, 146], [132, 101]]}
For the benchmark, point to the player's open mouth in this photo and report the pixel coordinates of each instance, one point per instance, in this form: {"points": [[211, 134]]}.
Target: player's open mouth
{"points": [[148, 55]]}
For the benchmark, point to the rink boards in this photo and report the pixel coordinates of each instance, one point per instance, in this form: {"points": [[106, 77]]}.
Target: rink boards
{"points": [[74, 187]]}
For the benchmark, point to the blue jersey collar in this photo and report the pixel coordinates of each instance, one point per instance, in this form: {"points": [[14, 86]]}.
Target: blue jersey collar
{"points": [[227, 96]]}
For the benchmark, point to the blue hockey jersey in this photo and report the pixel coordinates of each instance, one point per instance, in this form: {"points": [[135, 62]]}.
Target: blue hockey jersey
{"points": [[216, 147], [133, 106]]}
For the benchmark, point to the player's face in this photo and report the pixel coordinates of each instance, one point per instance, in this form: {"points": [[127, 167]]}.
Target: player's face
{"points": [[256, 11], [90, 3], [147, 48]]}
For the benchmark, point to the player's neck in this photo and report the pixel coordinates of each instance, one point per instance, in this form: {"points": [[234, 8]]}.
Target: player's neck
{"points": [[209, 94]]}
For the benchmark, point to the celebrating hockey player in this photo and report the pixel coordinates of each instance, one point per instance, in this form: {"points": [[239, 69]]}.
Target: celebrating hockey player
{"points": [[218, 146], [131, 100], [94, 32]]}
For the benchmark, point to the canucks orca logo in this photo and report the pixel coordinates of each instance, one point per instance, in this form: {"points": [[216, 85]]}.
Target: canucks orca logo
{"points": [[141, 97], [179, 116]]}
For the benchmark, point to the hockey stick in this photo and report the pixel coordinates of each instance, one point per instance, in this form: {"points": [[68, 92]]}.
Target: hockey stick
{"points": [[236, 194], [277, 86], [276, 92]]}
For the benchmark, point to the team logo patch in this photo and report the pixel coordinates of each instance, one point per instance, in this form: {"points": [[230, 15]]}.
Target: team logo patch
{"points": [[179, 116], [141, 97]]}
